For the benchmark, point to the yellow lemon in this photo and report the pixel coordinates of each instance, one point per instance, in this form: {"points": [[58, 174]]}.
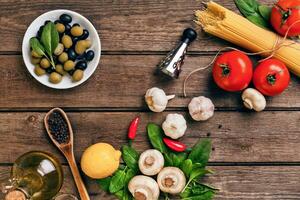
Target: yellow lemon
{"points": [[100, 160]]}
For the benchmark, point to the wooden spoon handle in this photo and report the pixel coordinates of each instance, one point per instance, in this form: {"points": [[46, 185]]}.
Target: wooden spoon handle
{"points": [[78, 180]]}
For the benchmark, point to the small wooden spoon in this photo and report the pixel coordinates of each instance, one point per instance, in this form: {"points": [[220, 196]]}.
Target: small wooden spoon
{"points": [[67, 150]]}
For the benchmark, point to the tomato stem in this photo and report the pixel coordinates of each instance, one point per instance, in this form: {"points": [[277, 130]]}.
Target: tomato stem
{"points": [[225, 69], [271, 78]]}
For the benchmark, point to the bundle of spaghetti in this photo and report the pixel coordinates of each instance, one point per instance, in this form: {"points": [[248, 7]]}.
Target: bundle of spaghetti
{"points": [[225, 24]]}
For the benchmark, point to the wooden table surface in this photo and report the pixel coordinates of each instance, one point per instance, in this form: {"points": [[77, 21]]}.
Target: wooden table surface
{"points": [[255, 155]]}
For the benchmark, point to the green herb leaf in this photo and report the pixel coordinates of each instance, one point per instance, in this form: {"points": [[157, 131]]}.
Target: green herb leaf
{"points": [[129, 175], [50, 38], [198, 173], [254, 12], [119, 194], [265, 12], [155, 134], [130, 157], [187, 167], [175, 159], [197, 192], [200, 152], [104, 183], [117, 181], [37, 46]]}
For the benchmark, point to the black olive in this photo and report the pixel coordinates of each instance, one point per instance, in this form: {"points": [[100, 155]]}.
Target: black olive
{"points": [[49, 70], [76, 24], [71, 54], [89, 55], [81, 57], [46, 22], [67, 28], [75, 40], [85, 34], [65, 18], [81, 65], [71, 72]]}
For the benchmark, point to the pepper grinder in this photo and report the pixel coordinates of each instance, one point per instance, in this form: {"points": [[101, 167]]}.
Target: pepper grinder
{"points": [[171, 65]]}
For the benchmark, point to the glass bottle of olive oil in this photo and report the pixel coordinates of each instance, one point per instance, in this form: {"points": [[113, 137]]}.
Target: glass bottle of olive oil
{"points": [[35, 176]]}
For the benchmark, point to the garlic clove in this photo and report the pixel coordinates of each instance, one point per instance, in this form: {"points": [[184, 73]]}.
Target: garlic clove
{"points": [[157, 99], [201, 108], [174, 126]]}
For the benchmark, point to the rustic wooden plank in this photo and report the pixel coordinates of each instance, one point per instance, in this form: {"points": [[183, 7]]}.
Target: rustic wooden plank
{"points": [[123, 25], [233, 182], [121, 81], [236, 137]]}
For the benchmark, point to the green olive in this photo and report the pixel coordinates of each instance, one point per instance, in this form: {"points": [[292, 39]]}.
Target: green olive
{"points": [[35, 60], [60, 27], [55, 77], [67, 41], [60, 69], [88, 43], [35, 54], [63, 57], [45, 63], [39, 71], [78, 75], [76, 31], [80, 47], [69, 65]]}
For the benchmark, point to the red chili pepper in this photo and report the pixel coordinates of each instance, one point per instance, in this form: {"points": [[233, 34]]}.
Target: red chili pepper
{"points": [[133, 128], [175, 145]]}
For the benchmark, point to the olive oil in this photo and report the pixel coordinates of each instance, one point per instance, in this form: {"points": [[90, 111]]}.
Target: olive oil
{"points": [[38, 175]]}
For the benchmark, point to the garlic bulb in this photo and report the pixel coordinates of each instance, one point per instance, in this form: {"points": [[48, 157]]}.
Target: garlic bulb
{"points": [[174, 126], [253, 99], [201, 108], [157, 99]]}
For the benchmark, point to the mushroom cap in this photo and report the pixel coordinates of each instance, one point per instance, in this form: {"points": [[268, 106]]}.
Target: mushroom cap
{"points": [[253, 99], [174, 126], [171, 180], [143, 187], [201, 108], [151, 162], [156, 99]]}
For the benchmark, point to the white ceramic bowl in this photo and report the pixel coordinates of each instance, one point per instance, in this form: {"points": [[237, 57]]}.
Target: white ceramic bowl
{"points": [[76, 18]]}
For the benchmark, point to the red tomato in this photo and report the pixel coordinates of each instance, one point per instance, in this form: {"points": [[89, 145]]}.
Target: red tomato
{"points": [[284, 14], [271, 77], [232, 71]]}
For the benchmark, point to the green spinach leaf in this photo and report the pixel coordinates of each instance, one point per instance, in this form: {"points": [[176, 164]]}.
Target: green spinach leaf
{"points": [[187, 167], [117, 181], [198, 173], [201, 152], [254, 12], [104, 183], [130, 157], [155, 134], [119, 194], [37, 46], [50, 38]]}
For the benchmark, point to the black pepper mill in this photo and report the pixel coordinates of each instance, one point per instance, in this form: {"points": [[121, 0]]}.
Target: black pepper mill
{"points": [[171, 65]]}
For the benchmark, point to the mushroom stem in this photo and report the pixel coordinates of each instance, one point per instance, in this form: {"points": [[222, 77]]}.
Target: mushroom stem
{"points": [[169, 97]]}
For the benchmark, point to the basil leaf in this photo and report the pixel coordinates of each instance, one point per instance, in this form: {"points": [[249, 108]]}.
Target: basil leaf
{"points": [[50, 38], [177, 158], [198, 173], [258, 20], [130, 157], [119, 194], [127, 195], [155, 134], [104, 183], [129, 175], [187, 167], [200, 152], [205, 196], [168, 160], [265, 12], [37, 46], [117, 181], [247, 7]]}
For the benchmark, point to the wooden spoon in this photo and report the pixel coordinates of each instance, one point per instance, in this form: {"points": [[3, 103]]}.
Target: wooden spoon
{"points": [[67, 150]]}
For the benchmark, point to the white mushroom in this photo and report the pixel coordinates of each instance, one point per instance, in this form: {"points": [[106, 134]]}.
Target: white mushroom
{"points": [[253, 99], [157, 99], [201, 108], [174, 126], [151, 162], [143, 188], [171, 180]]}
